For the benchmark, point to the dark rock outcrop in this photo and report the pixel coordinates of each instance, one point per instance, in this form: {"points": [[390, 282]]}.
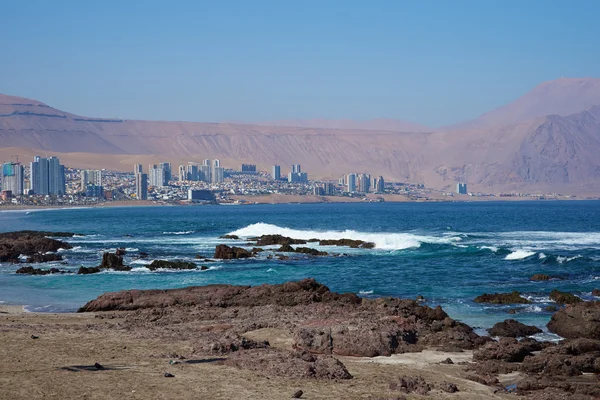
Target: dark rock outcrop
{"points": [[233, 237], [175, 264], [540, 277], [114, 262], [269, 240], [39, 271], [596, 292], [33, 244], [507, 349], [502, 298], [225, 252], [355, 244], [87, 270], [409, 384], [286, 248], [581, 320], [271, 362], [564, 298], [512, 328], [42, 258], [121, 251]]}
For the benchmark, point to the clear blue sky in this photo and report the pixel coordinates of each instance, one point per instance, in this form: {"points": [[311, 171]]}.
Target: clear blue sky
{"points": [[431, 62]]}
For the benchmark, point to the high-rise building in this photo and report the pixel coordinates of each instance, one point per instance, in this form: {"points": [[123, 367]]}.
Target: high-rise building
{"points": [[296, 169], [47, 176], [461, 188], [159, 174], [205, 173], [276, 174], [206, 163], [248, 168], [138, 169], [13, 178], [90, 177], [351, 183], [216, 163], [192, 172], [217, 174], [183, 176], [297, 177], [328, 189], [379, 185], [141, 186], [364, 183]]}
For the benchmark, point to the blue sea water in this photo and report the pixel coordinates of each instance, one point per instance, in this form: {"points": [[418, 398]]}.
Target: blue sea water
{"points": [[447, 252]]}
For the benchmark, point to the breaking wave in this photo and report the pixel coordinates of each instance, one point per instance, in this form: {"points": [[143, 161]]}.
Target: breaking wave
{"points": [[519, 255], [178, 233], [382, 240]]}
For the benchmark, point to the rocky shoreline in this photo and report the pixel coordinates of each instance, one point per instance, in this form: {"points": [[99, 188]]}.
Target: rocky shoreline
{"points": [[321, 327]]}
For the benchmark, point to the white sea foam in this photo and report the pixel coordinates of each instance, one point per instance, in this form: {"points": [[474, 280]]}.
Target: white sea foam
{"points": [[492, 248], [561, 259], [365, 292], [519, 254], [140, 262], [541, 256], [178, 233], [382, 240]]}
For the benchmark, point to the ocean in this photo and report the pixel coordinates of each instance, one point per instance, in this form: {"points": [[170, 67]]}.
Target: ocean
{"points": [[449, 253]]}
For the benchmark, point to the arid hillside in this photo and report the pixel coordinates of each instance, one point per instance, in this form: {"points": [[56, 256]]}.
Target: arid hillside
{"points": [[530, 151]]}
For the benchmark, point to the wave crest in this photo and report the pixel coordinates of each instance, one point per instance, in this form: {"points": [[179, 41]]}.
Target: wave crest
{"points": [[382, 240]]}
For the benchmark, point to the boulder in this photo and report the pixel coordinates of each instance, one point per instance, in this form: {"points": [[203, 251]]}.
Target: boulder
{"points": [[42, 258], [114, 262], [30, 243], [596, 292], [310, 251], [580, 320], [502, 298], [449, 387], [225, 252], [508, 350], [286, 248], [39, 271], [410, 384], [540, 277], [87, 270], [121, 251], [269, 240], [564, 298], [176, 264], [233, 237], [355, 244], [512, 328]]}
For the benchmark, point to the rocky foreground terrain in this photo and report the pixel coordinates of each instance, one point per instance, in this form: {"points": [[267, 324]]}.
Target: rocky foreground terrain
{"points": [[319, 329]]}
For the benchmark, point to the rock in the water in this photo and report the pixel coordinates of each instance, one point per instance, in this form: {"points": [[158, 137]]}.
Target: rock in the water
{"points": [[551, 308], [39, 271], [32, 244], [142, 254], [540, 277], [114, 262], [596, 292], [447, 361], [355, 244], [233, 237], [512, 328], [87, 270], [42, 258], [269, 240], [225, 252], [286, 248], [502, 298], [203, 268], [121, 251], [310, 251], [175, 264], [581, 320], [564, 298]]}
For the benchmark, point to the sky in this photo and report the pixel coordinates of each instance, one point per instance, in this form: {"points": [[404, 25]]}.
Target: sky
{"points": [[431, 62]]}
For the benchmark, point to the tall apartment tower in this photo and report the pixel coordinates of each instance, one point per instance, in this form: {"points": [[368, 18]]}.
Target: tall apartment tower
{"points": [[192, 172], [47, 176], [461, 188], [351, 179], [183, 175], [216, 163], [206, 172], [276, 174], [167, 175], [364, 183], [296, 169], [217, 174], [379, 185], [141, 186], [138, 169], [91, 177], [13, 178]]}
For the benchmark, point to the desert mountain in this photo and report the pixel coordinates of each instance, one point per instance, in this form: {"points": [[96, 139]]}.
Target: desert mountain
{"points": [[563, 96], [546, 153], [377, 124]]}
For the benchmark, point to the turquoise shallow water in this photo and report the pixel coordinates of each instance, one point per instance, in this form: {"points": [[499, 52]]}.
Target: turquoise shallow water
{"points": [[447, 252]]}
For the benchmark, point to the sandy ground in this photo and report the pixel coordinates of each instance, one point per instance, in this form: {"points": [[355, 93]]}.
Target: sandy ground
{"points": [[59, 365]]}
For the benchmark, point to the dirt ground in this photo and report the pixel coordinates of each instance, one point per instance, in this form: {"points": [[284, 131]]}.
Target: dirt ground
{"points": [[59, 364]]}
